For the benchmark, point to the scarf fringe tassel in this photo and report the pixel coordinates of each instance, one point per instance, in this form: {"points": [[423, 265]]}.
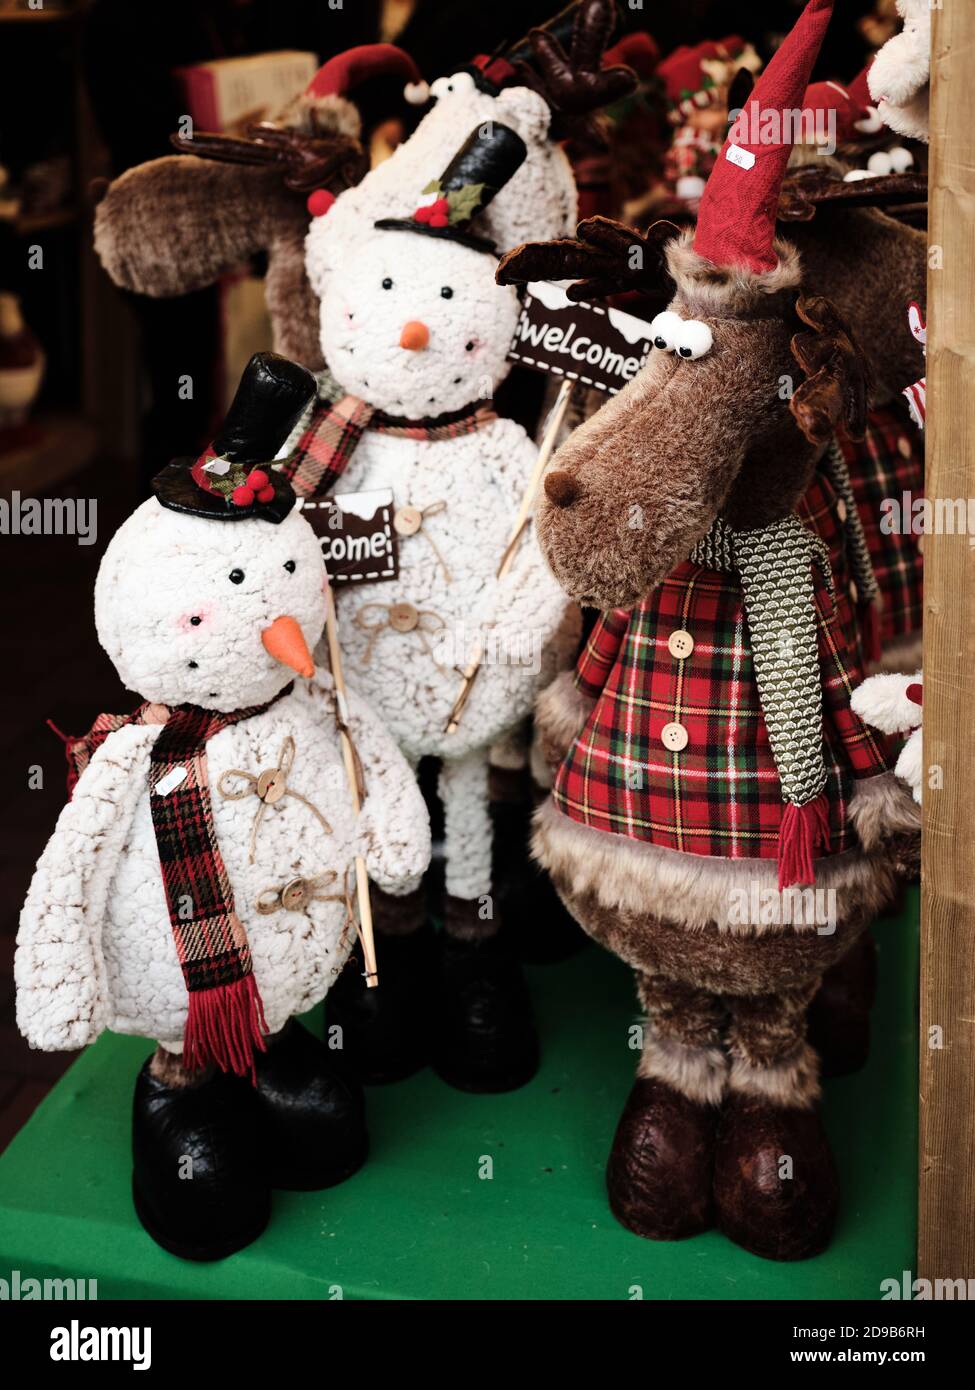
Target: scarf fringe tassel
{"points": [[804, 831], [224, 1025]]}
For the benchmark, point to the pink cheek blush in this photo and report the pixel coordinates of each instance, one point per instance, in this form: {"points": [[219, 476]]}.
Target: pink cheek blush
{"points": [[195, 620]]}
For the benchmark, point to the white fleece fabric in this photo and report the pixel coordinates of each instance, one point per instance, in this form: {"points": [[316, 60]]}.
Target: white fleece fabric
{"points": [[882, 702], [538, 203], [95, 948], [900, 74], [469, 488]]}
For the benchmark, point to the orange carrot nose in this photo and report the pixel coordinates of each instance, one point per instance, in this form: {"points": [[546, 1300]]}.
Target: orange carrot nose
{"points": [[415, 335], [285, 641]]}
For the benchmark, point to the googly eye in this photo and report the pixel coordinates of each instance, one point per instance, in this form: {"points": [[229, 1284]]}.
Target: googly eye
{"points": [[855, 175], [456, 82], [694, 339], [879, 163], [664, 328], [900, 159]]}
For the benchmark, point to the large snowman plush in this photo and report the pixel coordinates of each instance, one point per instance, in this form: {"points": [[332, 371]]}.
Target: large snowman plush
{"points": [[416, 332], [201, 896]]}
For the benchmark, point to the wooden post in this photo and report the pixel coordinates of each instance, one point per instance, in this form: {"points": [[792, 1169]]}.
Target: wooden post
{"points": [[946, 1243]]}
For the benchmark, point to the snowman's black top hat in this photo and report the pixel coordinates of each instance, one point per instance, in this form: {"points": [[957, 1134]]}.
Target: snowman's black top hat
{"points": [[482, 166], [234, 477]]}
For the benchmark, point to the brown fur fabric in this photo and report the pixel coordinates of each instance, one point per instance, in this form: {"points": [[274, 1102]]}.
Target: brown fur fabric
{"points": [[630, 879], [655, 465], [177, 224], [398, 916], [709, 290], [871, 267], [560, 713], [168, 1068]]}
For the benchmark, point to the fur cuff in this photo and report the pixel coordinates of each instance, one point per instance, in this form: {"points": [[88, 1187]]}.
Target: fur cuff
{"points": [[560, 713], [728, 291], [793, 1084], [695, 890], [881, 809], [699, 1073], [330, 115]]}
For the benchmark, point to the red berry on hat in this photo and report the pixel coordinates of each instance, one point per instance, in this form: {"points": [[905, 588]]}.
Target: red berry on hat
{"points": [[320, 202], [439, 219], [242, 496], [423, 214], [257, 479], [266, 494]]}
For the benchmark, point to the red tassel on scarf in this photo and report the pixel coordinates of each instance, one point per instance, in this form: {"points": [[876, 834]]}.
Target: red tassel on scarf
{"points": [[804, 830], [870, 631], [224, 1025]]}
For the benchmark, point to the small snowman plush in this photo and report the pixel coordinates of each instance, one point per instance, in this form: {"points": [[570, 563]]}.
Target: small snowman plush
{"points": [[892, 703], [196, 889], [416, 332]]}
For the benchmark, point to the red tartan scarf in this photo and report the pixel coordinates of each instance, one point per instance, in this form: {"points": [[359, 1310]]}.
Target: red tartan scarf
{"points": [[334, 430], [225, 1020]]}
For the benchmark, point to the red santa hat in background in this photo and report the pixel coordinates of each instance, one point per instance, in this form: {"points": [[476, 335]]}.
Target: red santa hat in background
{"points": [[736, 219], [844, 108], [697, 77], [324, 105]]}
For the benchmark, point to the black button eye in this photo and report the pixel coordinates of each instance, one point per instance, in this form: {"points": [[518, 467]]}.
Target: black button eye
{"points": [[290, 566], [659, 342], [387, 283], [446, 292], [192, 665], [236, 576], [469, 347], [195, 622], [684, 352]]}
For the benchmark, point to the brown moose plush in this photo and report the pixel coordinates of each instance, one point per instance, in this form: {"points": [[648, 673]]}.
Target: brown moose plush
{"points": [[720, 819]]}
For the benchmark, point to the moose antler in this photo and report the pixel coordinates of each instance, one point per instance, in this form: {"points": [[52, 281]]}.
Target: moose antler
{"points": [[604, 258], [838, 377], [306, 162], [575, 83], [807, 188]]}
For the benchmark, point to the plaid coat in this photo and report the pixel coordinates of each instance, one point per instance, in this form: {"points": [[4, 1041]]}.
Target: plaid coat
{"points": [[888, 462], [719, 794]]}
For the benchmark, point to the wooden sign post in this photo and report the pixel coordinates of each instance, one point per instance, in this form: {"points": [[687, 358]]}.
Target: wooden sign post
{"points": [[946, 1241]]}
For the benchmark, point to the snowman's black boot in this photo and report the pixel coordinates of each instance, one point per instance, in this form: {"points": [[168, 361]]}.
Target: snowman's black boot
{"points": [[199, 1180], [485, 1029], [312, 1113], [384, 1032]]}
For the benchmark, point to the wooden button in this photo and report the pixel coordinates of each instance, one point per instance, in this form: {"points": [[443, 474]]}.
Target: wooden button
{"points": [[841, 510], [271, 785], [680, 644], [904, 447], [408, 520], [294, 894], [674, 737], [403, 617]]}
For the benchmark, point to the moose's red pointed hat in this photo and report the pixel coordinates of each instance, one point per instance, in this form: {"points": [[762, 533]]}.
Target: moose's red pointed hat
{"points": [[736, 219]]}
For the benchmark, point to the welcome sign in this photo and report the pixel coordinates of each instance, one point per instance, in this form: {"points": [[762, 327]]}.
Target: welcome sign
{"points": [[356, 534], [599, 347]]}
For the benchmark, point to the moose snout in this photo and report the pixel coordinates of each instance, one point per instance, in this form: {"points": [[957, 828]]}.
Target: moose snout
{"points": [[561, 488]]}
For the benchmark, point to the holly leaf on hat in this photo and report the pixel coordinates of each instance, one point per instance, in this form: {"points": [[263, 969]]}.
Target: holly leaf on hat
{"points": [[226, 484], [432, 187], [465, 202]]}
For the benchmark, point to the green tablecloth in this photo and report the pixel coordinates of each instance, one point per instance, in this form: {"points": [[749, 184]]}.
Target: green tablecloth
{"points": [[419, 1222]]}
